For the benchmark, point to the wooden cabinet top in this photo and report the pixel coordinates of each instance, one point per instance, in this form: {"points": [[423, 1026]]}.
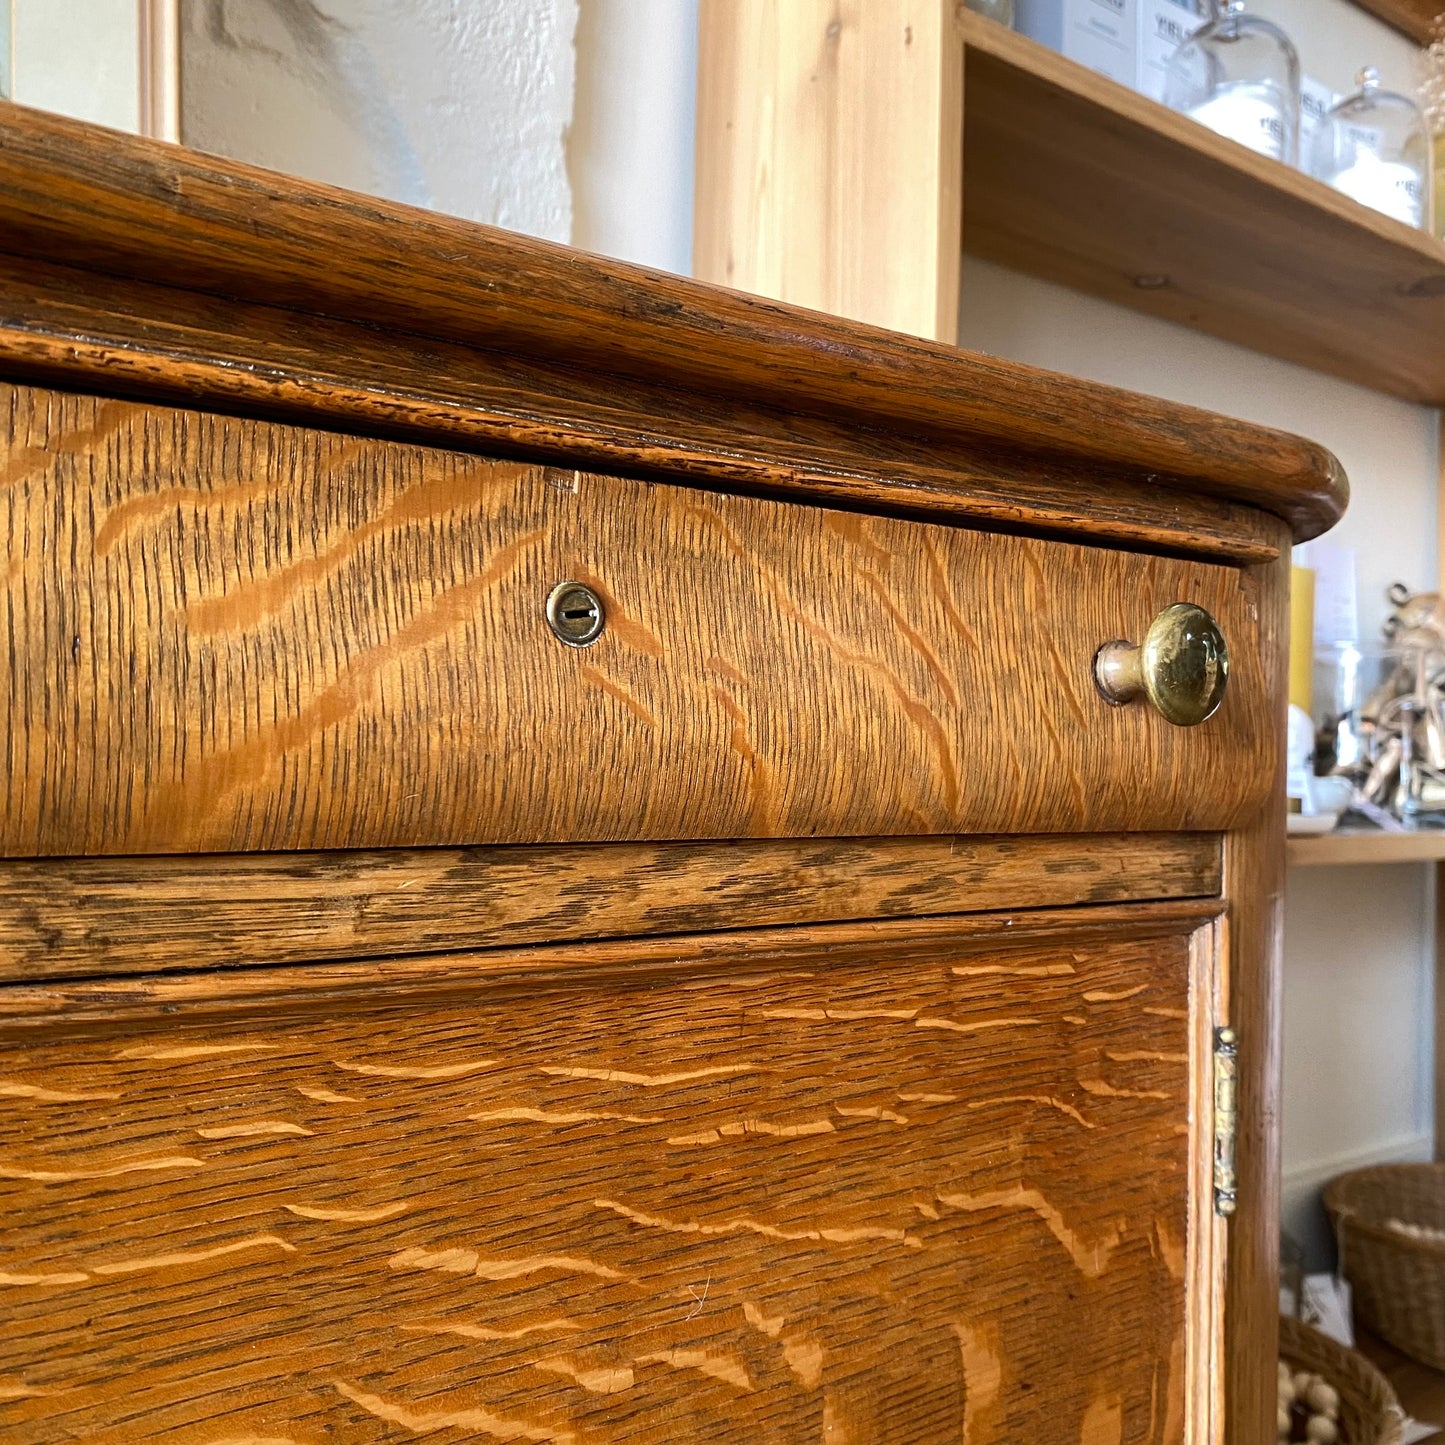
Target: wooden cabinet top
{"points": [[144, 269]]}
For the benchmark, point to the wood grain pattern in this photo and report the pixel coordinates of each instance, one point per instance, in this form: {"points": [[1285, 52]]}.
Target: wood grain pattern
{"points": [[103, 917], [85, 330], [154, 213], [244, 633], [1421, 1390], [1085, 183], [1207, 1351], [807, 115], [835, 1198], [1418, 19], [419, 980], [1365, 845], [239, 636], [1254, 863]]}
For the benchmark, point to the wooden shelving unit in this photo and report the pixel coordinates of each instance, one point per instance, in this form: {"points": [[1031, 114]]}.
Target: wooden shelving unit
{"points": [[1366, 845], [1075, 179], [844, 167]]}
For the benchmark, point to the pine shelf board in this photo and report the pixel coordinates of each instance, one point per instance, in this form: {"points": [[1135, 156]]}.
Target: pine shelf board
{"points": [[1077, 180], [1415, 18], [1366, 845]]}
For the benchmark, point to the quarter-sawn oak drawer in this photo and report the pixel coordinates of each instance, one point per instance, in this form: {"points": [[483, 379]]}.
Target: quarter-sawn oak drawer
{"points": [[235, 635]]}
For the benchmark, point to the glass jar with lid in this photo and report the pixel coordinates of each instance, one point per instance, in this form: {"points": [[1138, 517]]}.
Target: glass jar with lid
{"points": [[1239, 75], [1374, 147]]}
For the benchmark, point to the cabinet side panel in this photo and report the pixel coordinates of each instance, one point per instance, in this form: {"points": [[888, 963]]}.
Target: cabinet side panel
{"points": [[1254, 885]]}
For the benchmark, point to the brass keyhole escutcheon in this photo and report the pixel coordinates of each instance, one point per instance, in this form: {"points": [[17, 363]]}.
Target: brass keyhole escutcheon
{"points": [[1182, 666], [575, 614]]}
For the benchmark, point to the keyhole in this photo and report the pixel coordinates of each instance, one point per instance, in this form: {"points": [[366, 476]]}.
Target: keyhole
{"points": [[575, 614]]}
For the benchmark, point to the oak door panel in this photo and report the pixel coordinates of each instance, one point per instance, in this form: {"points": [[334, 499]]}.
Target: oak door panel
{"points": [[868, 1194], [234, 635]]}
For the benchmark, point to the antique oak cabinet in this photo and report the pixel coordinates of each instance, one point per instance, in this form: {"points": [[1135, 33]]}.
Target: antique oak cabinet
{"points": [[568, 873]]}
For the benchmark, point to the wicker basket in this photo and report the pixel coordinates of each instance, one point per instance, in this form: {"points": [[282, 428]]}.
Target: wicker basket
{"points": [[1369, 1412], [1398, 1282]]}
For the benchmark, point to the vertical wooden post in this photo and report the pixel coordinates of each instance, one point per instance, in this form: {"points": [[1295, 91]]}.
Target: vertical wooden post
{"points": [[1254, 885], [1439, 1060], [830, 156], [158, 34]]}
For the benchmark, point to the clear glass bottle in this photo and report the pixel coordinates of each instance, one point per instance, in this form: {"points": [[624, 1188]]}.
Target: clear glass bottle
{"points": [[1239, 75], [1000, 10], [1375, 147]]}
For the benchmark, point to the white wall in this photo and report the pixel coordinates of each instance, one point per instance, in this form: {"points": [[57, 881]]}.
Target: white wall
{"points": [[452, 104], [1358, 943], [1358, 1012], [1387, 446], [79, 57], [1335, 39], [569, 119], [629, 147]]}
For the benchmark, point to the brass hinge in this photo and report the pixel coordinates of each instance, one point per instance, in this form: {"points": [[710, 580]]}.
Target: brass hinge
{"points": [[1226, 1119]]}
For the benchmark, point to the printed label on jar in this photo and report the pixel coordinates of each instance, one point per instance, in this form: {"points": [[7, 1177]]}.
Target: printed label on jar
{"points": [[1252, 120]]}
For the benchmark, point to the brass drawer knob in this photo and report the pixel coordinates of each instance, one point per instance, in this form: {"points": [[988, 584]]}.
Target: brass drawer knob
{"points": [[1182, 666]]}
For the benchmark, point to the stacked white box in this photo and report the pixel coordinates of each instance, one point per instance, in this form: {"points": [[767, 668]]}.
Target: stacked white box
{"points": [[1132, 41], [1316, 100], [1100, 34], [1164, 25]]}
